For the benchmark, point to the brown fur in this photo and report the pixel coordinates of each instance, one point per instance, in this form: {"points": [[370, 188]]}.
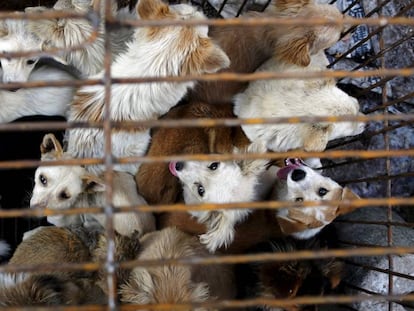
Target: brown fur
{"points": [[155, 182], [53, 245], [176, 283], [249, 47], [126, 248]]}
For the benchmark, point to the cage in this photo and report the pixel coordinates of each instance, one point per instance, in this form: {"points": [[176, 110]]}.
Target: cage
{"points": [[361, 261]]}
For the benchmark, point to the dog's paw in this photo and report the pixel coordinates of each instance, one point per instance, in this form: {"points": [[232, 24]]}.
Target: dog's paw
{"points": [[214, 239]]}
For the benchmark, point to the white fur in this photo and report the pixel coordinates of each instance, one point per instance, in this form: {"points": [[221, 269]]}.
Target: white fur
{"points": [[64, 187], [144, 57], [231, 181], [293, 98], [307, 190], [47, 101], [8, 280]]}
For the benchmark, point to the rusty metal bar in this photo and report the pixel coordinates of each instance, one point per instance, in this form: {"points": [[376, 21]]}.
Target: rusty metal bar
{"points": [[205, 122], [357, 203], [364, 154]]}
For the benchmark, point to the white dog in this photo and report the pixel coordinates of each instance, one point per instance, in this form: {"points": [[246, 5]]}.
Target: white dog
{"points": [[153, 52], [295, 98], [298, 182], [64, 187], [48, 101], [220, 182]]}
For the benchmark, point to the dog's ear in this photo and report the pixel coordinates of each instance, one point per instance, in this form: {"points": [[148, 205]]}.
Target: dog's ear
{"points": [[207, 58], [152, 9], [93, 183], [347, 194], [316, 136], [295, 50], [289, 226], [50, 148]]}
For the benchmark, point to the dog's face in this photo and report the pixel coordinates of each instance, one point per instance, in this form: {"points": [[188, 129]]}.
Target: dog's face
{"points": [[302, 183], [190, 50], [58, 187], [13, 38], [215, 182]]}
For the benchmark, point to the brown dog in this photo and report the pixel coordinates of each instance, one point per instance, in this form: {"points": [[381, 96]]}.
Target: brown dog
{"points": [[249, 47], [50, 245]]}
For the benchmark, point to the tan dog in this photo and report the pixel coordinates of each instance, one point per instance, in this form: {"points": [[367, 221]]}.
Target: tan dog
{"points": [[249, 47], [298, 182], [176, 283], [50, 245]]}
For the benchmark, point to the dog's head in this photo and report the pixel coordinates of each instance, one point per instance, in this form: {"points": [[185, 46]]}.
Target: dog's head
{"points": [[189, 49], [15, 38], [298, 42], [302, 183], [58, 187], [218, 182]]}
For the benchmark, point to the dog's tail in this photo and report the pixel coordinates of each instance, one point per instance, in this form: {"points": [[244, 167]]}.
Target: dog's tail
{"points": [[4, 249]]}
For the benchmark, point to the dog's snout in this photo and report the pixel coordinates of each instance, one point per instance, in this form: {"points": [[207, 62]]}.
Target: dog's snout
{"points": [[298, 175], [179, 166]]}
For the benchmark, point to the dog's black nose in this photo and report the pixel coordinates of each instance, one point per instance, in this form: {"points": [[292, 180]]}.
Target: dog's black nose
{"points": [[179, 166], [298, 175]]}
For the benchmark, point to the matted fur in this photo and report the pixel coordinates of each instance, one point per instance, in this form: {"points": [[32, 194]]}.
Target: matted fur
{"points": [[220, 182], [305, 222], [166, 51], [154, 180], [63, 187], [50, 245], [250, 47], [176, 283], [294, 98]]}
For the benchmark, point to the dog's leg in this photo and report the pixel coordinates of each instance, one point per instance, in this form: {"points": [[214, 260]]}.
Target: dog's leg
{"points": [[221, 228]]}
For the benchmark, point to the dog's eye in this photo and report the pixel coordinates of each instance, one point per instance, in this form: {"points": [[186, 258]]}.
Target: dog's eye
{"points": [[64, 195], [322, 191], [43, 180], [299, 199], [213, 166], [30, 61], [200, 190]]}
